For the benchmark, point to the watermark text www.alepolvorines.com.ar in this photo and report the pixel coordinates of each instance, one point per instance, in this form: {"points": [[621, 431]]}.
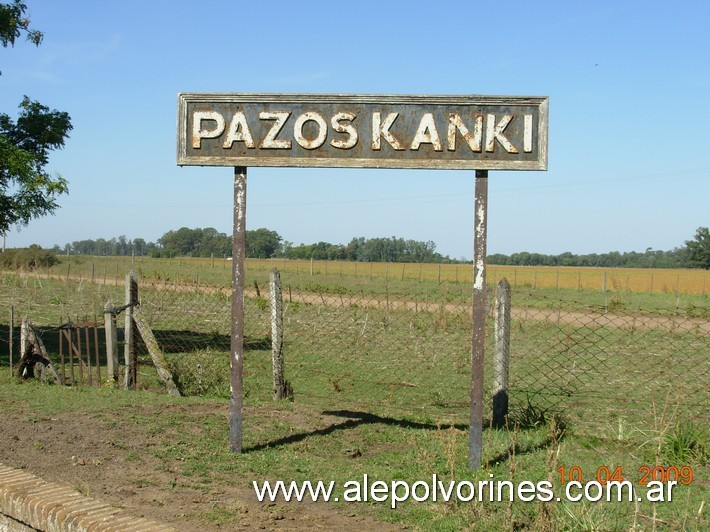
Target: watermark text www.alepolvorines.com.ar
{"points": [[435, 490]]}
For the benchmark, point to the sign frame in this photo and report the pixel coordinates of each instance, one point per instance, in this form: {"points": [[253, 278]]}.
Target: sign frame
{"points": [[477, 105]]}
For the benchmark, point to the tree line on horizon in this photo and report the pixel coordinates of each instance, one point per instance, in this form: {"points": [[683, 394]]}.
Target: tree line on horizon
{"points": [[261, 244], [613, 259], [28, 191], [264, 243]]}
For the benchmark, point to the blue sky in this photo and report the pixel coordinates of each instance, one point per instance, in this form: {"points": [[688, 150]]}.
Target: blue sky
{"points": [[628, 82]]}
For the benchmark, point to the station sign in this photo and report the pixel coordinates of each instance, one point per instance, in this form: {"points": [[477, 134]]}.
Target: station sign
{"points": [[362, 131]]}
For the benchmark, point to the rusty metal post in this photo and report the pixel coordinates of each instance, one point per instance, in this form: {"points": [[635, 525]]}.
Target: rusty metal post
{"points": [[475, 440], [237, 357]]}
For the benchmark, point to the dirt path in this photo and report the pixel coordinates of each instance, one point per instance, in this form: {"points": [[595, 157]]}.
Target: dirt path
{"points": [[590, 318], [581, 319], [115, 463]]}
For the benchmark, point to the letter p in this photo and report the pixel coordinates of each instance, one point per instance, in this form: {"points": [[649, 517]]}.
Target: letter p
{"points": [[396, 497], [198, 133]]}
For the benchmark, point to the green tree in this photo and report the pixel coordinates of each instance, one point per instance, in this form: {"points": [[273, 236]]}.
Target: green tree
{"points": [[262, 243], [28, 259], [182, 242], [215, 243], [13, 23], [195, 242], [27, 191], [139, 246], [698, 249]]}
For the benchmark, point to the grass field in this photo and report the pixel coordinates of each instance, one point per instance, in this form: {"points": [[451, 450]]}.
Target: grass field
{"points": [[391, 383], [179, 445], [218, 272], [630, 289]]}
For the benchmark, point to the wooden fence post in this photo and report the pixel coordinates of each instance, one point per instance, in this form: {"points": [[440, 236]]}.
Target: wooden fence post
{"points": [[96, 351], [61, 353], [34, 352], [502, 354], [111, 345], [79, 355], [12, 331], [130, 354], [282, 388], [46, 363], [87, 347], [24, 339], [70, 344], [161, 365]]}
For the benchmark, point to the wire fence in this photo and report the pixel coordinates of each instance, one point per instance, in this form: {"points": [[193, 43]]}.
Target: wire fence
{"points": [[609, 370]]}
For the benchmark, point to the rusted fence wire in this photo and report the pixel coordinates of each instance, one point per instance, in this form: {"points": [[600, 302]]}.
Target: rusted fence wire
{"points": [[608, 369]]}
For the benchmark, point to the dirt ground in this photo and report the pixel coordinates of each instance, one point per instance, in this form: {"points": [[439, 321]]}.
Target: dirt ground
{"points": [[70, 449]]}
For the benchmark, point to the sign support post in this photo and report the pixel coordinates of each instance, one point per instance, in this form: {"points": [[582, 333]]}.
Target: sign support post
{"points": [[480, 224], [236, 362]]}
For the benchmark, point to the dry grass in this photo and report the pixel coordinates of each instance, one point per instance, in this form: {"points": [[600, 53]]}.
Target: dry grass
{"points": [[218, 272], [637, 280]]}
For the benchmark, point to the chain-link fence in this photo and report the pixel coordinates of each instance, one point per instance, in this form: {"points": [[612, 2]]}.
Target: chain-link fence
{"points": [[608, 370], [611, 371]]}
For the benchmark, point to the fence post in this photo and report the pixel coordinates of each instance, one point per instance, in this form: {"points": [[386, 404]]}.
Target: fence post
{"points": [[12, 331], [130, 356], [282, 388], [70, 345], [33, 352], [502, 354], [161, 366], [79, 355], [24, 339], [61, 353], [96, 351], [87, 347], [111, 345]]}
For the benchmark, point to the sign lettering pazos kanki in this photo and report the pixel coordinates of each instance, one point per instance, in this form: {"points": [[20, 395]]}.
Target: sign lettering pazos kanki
{"points": [[364, 131]]}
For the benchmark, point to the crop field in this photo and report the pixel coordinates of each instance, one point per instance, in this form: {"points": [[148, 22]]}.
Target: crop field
{"points": [[628, 288], [217, 271], [379, 358]]}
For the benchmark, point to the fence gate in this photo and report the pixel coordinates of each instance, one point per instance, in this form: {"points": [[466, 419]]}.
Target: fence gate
{"points": [[79, 353]]}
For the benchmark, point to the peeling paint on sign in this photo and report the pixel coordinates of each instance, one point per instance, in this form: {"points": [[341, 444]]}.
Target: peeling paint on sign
{"points": [[456, 132]]}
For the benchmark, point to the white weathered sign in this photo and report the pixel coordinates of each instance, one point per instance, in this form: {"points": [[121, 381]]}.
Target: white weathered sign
{"points": [[370, 131]]}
